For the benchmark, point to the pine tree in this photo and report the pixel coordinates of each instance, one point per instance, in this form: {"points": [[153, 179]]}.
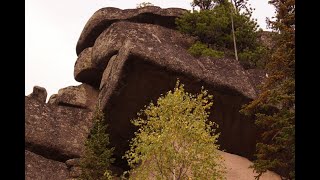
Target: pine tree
{"points": [[97, 156], [274, 109], [226, 30], [175, 140]]}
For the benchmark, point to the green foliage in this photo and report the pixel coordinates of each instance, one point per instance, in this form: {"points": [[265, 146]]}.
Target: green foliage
{"points": [[254, 59], [199, 49], [213, 28], [274, 109], [175, 140], [144, 4], [97, 156]]}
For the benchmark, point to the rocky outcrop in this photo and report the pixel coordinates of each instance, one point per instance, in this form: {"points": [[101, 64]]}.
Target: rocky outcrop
{"points": [[143, 61], [126, 59], [55, 132], [83, 96], [39, 93], [104, 17], [38, 167]]}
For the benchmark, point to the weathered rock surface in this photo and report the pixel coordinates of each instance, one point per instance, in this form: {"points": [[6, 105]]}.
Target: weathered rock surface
{"points": [[256, 77], [52, 99], [40, 168], [82, 96], [55, 132], [84, 71], [164, 47], [143, 61], [73, 162], [39, 93], [75, 172], [104, 17]]}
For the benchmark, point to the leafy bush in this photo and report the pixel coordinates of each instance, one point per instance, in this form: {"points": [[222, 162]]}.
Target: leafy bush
{"points": [[175, 140]]}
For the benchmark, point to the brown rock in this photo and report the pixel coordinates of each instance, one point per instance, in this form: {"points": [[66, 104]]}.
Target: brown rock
{"points": [[73, 162], [164, 47], [143, 61], [265, 37], [82, 96], [39, 93], [55, 132], [75, 172], [256, 77], [52, 99], [104, 17], [40, 168], [84, 71]]}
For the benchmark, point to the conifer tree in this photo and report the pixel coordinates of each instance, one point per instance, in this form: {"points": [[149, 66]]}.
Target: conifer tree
{"points": [[274, 109], [97, 156]]}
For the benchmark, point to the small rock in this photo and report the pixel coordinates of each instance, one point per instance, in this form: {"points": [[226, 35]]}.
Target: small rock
{"points": [[39, 93], [73, 162]]}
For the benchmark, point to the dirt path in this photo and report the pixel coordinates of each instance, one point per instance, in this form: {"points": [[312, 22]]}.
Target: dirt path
{"points": [[238, 169]]}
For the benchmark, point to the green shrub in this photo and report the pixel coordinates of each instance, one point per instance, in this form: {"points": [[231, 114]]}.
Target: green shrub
{"points": [[199, 49], [213, 28], [175, 140], [254, 58]]}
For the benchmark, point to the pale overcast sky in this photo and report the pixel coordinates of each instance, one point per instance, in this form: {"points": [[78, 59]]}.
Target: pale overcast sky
{"points": [[52, 29]]}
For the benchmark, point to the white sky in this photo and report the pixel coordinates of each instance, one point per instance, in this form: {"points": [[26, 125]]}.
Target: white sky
{"points": [[52, 29]]}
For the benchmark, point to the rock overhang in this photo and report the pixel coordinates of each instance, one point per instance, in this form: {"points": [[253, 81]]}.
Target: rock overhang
{"points": [[104, 17]]}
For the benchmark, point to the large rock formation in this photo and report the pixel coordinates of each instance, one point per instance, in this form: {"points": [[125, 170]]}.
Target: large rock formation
{"points": [[143, 61], [126, 59]]}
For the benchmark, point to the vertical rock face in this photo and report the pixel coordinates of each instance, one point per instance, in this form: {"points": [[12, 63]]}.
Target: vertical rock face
{"points": [[126, 59]]}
